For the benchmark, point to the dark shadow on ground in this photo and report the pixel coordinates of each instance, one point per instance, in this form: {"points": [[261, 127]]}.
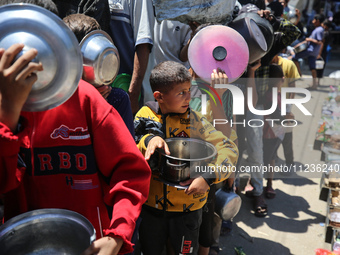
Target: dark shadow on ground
{"points": [[288, 205], [289, 175], [251, 246], [283, 216]]}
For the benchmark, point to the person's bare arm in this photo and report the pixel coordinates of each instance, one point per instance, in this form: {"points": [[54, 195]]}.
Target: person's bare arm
{"points": [[313, 41], [140, 65], [321, 49], [298, 16], [219, 77], [105, 246], [183, 56], [16, 81]]}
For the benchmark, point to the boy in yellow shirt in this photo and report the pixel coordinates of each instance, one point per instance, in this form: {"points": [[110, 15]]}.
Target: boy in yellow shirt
{"points": [[170, 214]]}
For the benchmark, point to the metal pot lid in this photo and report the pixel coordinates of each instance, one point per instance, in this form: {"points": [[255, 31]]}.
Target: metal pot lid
{"points": [[58, 51], [100, 58], [218, 46]]}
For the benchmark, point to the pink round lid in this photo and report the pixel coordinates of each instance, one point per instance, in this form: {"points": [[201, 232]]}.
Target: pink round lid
{"points": [[218, 46]]}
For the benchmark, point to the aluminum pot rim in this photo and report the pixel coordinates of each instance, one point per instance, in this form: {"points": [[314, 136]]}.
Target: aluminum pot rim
{"points": [[48, 213], [97, 81], [189, 139]]}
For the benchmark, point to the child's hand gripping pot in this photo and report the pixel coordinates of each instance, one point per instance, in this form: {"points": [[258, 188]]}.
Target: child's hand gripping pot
{"points": [[156, 142], [197, 185], [16, 81]]}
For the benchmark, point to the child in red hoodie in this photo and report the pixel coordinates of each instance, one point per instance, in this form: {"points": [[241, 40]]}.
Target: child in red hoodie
{"points": [[78, 156]]}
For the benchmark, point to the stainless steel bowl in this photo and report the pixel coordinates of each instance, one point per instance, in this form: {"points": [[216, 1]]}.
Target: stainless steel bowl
{"points": [[58, 51], [46, 231], [186, 155], [100, 58]]}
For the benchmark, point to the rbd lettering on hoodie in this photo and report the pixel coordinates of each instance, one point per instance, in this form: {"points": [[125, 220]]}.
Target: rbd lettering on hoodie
{"points": [[66, 133]]}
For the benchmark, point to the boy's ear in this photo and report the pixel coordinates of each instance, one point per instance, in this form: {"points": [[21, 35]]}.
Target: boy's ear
{"points": [[158, 95]]}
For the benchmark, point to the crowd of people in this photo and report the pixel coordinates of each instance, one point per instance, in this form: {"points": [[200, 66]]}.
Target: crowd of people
{"points": [[128, 202]]}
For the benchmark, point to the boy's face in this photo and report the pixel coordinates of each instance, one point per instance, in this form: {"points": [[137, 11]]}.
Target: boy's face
{"points": [[176, 100], [316, 22]]}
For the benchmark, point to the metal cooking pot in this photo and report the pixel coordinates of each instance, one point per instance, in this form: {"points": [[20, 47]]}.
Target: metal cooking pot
{"points": [[300, 47], [291, 15], [186, 155], [58, 51], [227, 204], [46, 231], [253, 35], [100, 58], [263, 24]]}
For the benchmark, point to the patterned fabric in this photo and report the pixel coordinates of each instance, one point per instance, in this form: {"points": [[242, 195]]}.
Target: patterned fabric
{"points": [[189, 124], [291, 32], [283, 37]]}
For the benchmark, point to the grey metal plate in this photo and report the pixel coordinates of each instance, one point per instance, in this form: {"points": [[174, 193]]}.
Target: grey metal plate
{"points": [[58, 51]]}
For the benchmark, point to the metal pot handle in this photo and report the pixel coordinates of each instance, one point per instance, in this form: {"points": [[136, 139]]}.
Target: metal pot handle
{"points": [[174, 165]]}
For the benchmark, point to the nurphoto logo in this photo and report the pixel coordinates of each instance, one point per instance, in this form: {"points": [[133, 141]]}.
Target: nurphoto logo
{"points": [[239, 105]]}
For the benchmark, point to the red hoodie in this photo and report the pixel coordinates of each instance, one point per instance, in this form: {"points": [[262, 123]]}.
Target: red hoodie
{"points": [[78, 156]]}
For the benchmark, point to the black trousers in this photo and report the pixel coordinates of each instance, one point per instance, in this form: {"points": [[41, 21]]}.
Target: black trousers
{"points": [[181, 229]]}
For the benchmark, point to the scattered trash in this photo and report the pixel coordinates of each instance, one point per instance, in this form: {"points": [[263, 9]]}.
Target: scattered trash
{"points": [[322, 224], [335, 74], [325, 252], [239, 251]]}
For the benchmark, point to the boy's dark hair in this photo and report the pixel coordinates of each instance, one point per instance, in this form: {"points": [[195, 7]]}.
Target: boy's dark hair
{"points": [[275, 71], [47, 4], [81, 24], [201, 26], [319, 17], [327, 23], [275, 74], [167, 74]]}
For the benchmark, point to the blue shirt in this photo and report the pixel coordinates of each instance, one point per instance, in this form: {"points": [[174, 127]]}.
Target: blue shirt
{"points": [[317, 34], [131, 24], [120, 100]]}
